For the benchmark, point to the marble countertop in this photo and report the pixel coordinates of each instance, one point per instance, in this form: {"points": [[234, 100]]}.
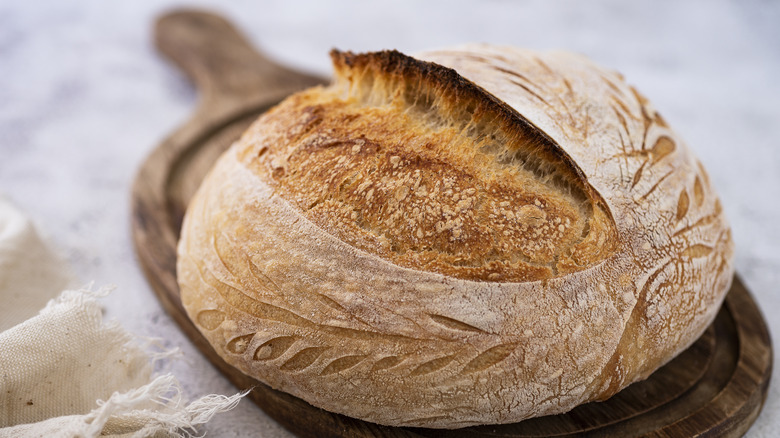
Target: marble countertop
{"points": [[84, 97]]}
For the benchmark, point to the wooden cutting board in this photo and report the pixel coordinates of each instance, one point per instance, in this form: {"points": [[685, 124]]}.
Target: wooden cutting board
{"points": [[716, 388]]}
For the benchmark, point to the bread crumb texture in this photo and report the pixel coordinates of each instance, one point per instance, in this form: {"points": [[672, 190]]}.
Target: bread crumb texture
{"points": [[476, 235]]}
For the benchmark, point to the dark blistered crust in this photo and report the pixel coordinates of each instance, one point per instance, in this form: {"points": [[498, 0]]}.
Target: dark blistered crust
{"points": [[393, 62]]}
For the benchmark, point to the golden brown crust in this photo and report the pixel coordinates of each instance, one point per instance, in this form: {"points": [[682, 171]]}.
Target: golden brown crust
{"points": [[407, 160], [378, 247]]}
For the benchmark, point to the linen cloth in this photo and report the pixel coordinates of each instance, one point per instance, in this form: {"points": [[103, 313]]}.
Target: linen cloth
{"points": [[66, 373]]}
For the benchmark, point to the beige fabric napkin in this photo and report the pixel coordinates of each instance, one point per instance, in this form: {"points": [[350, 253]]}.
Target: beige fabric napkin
{"points": [[66, 373], [30, 275]]}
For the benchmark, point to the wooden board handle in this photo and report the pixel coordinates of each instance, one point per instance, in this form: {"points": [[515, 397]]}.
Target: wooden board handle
{"points": [[220, 60]]}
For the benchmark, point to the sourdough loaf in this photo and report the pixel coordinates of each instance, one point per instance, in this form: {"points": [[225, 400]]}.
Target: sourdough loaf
{"points": [[471, 236]]}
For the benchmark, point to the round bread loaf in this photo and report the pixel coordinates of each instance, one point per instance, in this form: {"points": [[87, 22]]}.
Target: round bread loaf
{"points": [[472, 236]]}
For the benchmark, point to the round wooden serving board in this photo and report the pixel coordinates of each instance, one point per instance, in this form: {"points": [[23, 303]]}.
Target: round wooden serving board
{"points": [[714, 388]]}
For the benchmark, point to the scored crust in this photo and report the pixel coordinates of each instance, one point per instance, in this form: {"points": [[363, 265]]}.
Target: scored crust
{"points": [[426, 170], [477, 235]]}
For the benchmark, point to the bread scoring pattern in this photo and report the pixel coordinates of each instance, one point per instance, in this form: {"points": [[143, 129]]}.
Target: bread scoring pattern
{"points": [[295, 268], [269, 347], [684, 247], [412, 163]]}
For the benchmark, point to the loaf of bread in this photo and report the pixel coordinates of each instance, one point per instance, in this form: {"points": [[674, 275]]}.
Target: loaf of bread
{"points": [[470, 236]]}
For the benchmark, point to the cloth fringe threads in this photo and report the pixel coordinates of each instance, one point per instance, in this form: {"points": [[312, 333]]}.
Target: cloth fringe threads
{"points": [[54, 367]]}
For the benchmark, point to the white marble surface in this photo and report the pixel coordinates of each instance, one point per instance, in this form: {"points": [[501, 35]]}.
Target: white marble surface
{"points": [[84, 97]]}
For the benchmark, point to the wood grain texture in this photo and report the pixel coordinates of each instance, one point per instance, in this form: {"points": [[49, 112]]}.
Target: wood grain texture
{"points": [[715, 387]]}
